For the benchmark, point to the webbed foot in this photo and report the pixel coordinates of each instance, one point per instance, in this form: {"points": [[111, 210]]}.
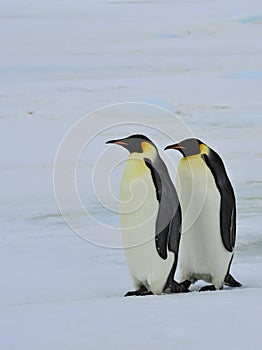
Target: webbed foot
{"points": [[231, 282], [142, 291], [175, 287], [186, 283], [210, 287]]}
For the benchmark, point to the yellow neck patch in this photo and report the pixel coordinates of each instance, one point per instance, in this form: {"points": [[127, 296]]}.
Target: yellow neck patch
{"points": [[204, 149], [148, 150]]}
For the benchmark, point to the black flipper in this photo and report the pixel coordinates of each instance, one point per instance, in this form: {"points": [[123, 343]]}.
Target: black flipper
{"points": [[161, 242], [173, 246], [162, 236], [168, 223], [173, 242], [171, 239], [228, 203]]}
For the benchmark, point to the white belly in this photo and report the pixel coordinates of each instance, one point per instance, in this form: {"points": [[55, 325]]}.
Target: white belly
{"points": [[138, 212], [202, 254]]}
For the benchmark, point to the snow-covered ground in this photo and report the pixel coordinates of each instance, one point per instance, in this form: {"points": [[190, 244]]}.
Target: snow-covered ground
{"points": [[62, 59]]}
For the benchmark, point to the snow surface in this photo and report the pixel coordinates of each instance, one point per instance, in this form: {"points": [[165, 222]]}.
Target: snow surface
{"points": [[62, 59]]}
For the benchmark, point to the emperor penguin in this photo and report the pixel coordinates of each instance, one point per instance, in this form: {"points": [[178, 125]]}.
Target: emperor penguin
{"points": [[150, 219], [209, 216]]}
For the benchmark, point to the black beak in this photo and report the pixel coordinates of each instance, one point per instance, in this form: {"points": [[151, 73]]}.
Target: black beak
{"points": [[118, 142], [168, 147], [175, 146], [111, 141]]}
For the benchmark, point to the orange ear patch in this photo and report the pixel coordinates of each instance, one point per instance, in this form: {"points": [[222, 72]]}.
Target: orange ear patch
{"points": [[148, 150], [145, 146]]}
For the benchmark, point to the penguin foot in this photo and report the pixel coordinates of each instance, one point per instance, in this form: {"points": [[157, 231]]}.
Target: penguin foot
{"points": [[186, 283], [140, 292], [231, 282], [175, 287], [210, 287]]}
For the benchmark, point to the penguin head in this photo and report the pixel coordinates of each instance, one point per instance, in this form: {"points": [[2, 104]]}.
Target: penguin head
{"points": [[190, 147], [137, 144]]}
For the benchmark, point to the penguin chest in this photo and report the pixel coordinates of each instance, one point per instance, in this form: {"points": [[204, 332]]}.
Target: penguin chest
{"points": [[138, 213], [202, 254], [138, 202]]}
